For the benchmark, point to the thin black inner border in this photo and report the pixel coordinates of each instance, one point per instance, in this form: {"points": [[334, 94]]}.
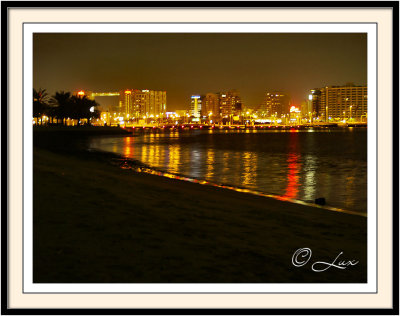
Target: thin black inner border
{"points": [[203, 23]]}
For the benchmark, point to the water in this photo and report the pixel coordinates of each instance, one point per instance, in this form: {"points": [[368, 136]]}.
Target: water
{"points": [[297, 164]]}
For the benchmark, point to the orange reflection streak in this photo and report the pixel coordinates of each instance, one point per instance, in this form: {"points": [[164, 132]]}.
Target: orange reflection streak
{"points": [[293, 178], [293, 168], [128, 147]]}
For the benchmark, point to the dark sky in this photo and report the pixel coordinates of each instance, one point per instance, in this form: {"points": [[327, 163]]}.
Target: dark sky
{"points": [[186, 64]]}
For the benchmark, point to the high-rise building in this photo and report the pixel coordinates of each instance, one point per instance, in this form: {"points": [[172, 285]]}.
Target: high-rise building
{"points": [[149, 103], [195, 106], [125, 103], [341, 102], [315, 100], [230, 103], [134, 104], [275, 104], [210, 106]]}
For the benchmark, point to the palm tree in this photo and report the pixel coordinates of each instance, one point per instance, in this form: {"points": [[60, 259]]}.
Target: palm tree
{"points": [[62, 103], [82, 107], [40, 103]]}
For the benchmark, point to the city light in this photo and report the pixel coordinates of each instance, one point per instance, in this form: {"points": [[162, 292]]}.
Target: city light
{"points": [[227, 108], [294, 109]]}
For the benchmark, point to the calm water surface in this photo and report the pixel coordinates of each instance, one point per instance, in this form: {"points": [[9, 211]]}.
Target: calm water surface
{"points": [[299, 164]]}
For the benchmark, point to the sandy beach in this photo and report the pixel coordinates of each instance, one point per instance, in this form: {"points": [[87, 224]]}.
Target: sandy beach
{"points": [[95, 222]]}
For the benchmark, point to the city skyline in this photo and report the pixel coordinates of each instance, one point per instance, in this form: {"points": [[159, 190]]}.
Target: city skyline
{"points": [[250, 63]]}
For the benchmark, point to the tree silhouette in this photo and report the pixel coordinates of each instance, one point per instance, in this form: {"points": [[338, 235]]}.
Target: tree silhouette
{"points": [[82, 107], [40, 104], [61, 103]]}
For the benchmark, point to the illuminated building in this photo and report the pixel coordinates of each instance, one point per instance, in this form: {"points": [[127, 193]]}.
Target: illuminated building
{"points": [[149, 103], [195, 106], [140, 99], [134, 104], [80, 93], [230, 103], [315, 100], [182, 112], [341, 102], [91, 95], [305, 108], [210, 106], [125, 103], [275, 104], [294, 114]]}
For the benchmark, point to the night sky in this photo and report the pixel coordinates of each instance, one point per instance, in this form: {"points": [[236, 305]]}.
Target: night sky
{"points": [[186, 64]]}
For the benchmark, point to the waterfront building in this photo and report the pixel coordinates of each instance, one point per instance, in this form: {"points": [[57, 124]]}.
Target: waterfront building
{"points": [[275, 104], [149, 103], [195, 106], [315, 101], [134, 103], [125, 103], [210, 106], [338, 103], [230, 104], [182, 113]]}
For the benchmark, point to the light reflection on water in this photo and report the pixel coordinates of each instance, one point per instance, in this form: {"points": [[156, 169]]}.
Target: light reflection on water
{"points": [[294, 164]]}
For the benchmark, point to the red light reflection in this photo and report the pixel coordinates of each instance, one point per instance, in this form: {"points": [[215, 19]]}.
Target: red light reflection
{"points": [[293, 167]]}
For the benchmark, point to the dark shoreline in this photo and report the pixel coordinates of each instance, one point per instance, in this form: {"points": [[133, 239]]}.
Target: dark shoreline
{"points": [[94, 222]]}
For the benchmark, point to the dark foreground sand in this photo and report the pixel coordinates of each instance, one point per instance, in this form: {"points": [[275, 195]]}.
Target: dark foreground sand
{"points": [[94, 222]]}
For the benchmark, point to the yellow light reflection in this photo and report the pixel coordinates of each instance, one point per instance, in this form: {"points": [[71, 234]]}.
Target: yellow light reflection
{"points": [[350, 189], [249, 168], [210, 163], [225, 167], [174, 158], [310, 174], [128, 147]]}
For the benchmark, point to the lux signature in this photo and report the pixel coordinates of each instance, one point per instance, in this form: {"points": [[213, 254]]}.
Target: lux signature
{"points": [[303, 255]]}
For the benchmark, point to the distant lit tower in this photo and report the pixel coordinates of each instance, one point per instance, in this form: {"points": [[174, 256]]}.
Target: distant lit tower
{"points": [[315, 101], [210, 106], [149, 103], [341, 102], [275, 104], [158, 103], [230, 103], [195, 106], [81, 93], [126, 96]]}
